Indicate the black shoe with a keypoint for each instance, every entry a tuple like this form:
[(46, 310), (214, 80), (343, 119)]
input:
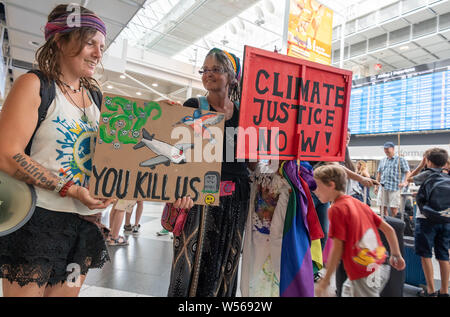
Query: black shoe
[(424, 293), (442, 295)]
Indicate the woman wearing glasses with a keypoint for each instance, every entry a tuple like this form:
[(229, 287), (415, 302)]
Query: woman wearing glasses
[(206, 253)]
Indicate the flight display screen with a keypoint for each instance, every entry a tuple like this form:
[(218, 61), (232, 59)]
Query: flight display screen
[(413, 99)]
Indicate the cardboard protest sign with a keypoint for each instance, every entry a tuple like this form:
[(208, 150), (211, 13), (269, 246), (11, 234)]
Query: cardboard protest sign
[(155, 151), (292, 108)]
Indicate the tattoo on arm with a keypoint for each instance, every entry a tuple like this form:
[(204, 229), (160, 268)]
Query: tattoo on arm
[(34, 173), (21, 176)]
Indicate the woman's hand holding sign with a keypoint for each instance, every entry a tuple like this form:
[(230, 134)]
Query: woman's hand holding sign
[(184, 203), (171, 102), (83, 195)]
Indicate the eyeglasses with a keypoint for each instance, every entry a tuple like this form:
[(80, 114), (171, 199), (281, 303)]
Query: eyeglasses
[(214, 70)]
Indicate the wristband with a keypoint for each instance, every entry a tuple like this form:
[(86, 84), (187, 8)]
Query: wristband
[(65, 189), (395, 258)]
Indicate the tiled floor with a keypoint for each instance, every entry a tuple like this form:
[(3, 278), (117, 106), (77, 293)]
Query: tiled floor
[(140, 269), (143, 267)]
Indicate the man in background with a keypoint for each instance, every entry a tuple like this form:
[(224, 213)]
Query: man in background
[(391, 180)]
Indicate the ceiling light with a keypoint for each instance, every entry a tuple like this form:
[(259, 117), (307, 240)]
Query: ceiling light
[(123, 76), (109, 87), (224, 41), (241, 24), (232, 28), (404, 47), (34, 43), (269, 6), (155, 85), (139, 93), (259, 22)]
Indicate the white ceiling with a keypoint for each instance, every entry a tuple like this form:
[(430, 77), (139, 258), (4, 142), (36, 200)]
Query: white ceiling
[(404, 34), (113, 83), (189, 29), (186, 29), (192, 23), (25, 21)]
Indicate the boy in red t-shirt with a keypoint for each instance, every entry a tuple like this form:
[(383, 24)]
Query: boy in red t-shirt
[(354, 230)]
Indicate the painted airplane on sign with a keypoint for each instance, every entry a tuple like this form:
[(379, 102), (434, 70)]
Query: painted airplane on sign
[(166, 152), (199, 123)]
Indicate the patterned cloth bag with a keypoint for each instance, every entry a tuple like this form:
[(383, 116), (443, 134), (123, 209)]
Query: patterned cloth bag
[(173, 219)]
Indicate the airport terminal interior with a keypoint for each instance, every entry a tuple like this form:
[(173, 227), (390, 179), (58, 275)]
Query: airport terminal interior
[(398, 52)]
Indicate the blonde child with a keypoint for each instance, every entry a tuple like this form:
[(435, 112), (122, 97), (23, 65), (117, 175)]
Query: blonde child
[(354, 230)]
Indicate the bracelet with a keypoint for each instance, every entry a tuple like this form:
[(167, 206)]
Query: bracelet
[(65, 189), (61, 183)]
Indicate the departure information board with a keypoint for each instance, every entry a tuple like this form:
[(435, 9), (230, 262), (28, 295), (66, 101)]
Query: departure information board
[(413, 99)]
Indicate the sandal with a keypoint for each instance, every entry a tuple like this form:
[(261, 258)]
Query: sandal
[(317, 277), (127, 229), (120, 241), (424, 293)]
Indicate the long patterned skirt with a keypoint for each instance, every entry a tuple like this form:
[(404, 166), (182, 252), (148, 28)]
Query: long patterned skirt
[(207, 252)]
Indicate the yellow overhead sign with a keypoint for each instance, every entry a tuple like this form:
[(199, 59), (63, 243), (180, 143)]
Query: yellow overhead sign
[(310, 31)]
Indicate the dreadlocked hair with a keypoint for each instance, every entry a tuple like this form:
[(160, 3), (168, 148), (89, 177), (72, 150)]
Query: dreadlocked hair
[(49, 54), (234, 89)]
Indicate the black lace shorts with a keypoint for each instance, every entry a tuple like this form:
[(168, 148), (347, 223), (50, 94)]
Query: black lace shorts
[(50, 248)]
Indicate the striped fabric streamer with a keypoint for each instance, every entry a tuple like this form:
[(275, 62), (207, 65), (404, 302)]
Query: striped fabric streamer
[(296, 274), (315, 230), (65, 24)]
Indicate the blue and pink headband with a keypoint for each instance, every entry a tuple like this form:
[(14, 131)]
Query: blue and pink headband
[(61, 25)]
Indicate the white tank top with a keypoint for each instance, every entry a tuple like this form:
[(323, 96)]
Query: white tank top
[(64, 145)]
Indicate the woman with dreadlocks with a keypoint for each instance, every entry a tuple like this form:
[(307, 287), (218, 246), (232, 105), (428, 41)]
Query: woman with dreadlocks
[(206, 253)]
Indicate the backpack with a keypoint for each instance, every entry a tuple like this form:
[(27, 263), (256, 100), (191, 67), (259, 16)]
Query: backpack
[(204, 104), (433, 198), (48, 93)]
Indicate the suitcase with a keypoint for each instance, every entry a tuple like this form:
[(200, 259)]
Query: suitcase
[(394, 286), (414, 271)]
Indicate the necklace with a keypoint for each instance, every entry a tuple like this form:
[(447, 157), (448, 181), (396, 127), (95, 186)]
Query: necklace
[(84, 117), (72, 88), (228, 114)]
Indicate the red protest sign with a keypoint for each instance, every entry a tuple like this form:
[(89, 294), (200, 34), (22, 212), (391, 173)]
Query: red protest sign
[(292, 108)]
